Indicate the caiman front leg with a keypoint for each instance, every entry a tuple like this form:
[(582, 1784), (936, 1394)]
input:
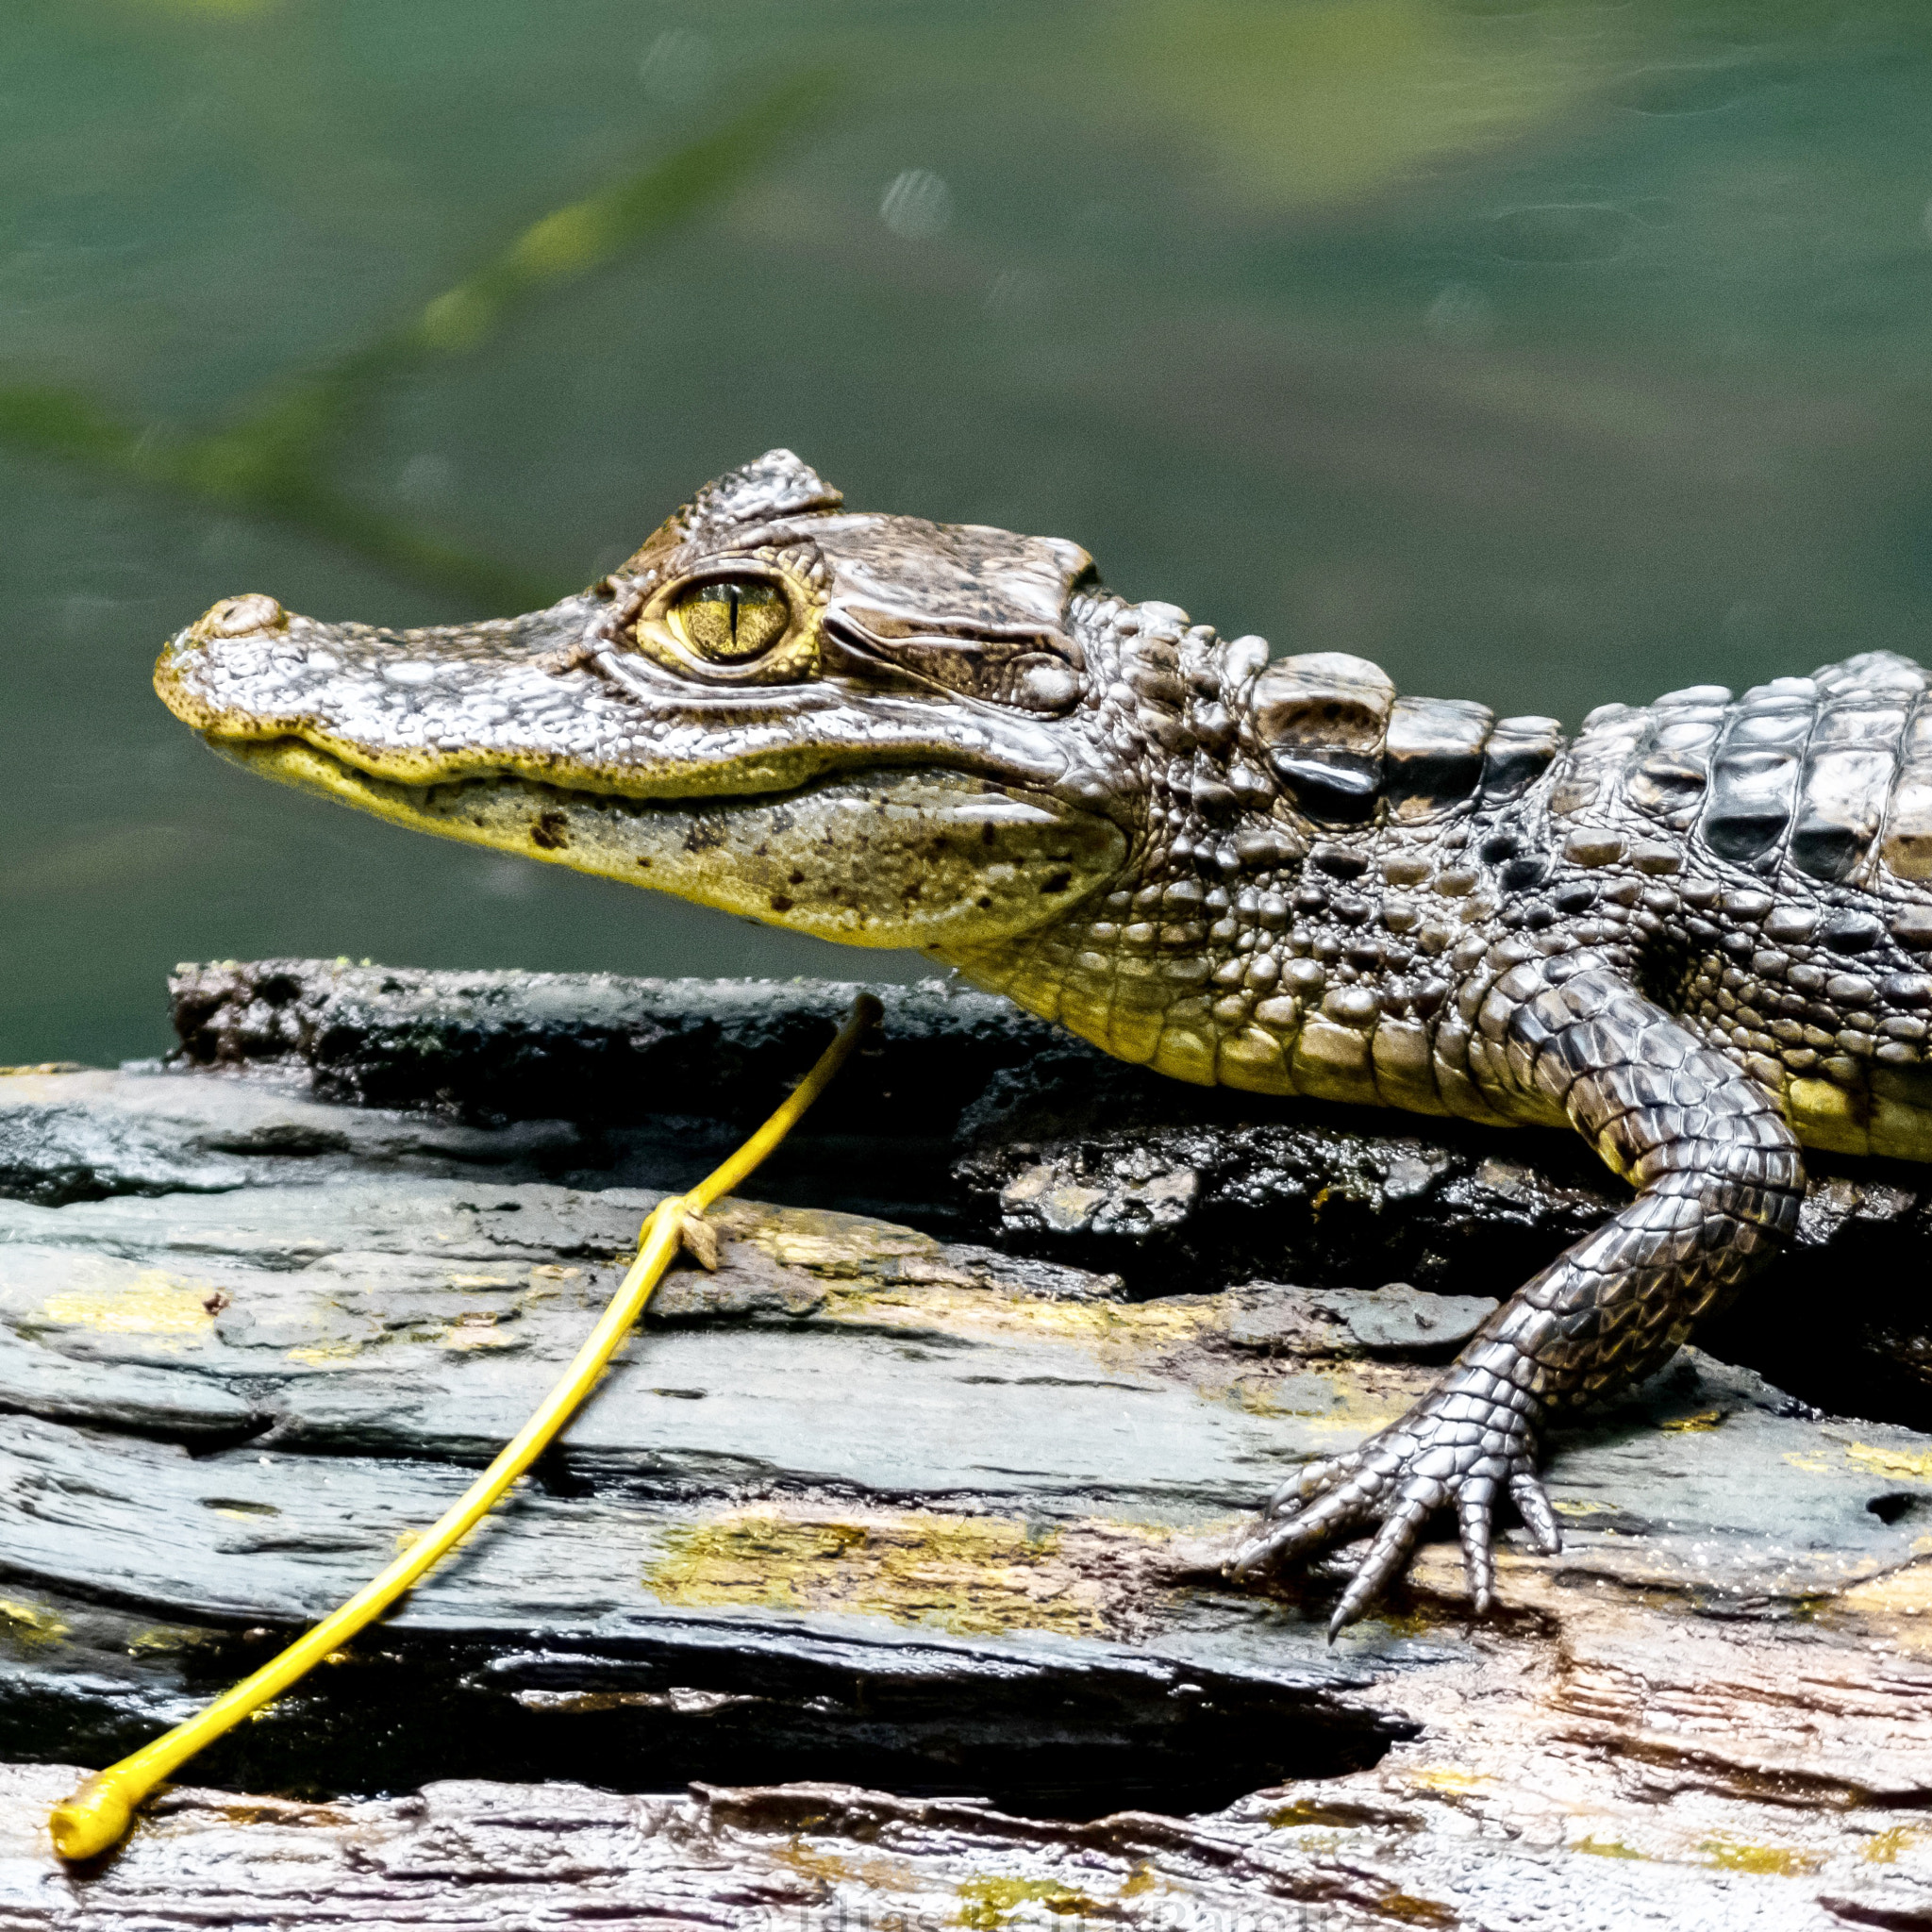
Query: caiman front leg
[(1719, 1181)]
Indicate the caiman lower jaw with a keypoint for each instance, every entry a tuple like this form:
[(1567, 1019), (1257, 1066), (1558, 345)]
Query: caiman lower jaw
[(916, 857)]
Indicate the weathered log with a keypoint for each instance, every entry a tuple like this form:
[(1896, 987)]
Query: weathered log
[(973, 1120), (878, 1503)]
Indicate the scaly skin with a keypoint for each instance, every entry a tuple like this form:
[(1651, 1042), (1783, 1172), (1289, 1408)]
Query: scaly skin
[(1697, 933)]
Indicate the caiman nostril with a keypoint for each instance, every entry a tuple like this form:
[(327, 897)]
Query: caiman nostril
[(236, 617)]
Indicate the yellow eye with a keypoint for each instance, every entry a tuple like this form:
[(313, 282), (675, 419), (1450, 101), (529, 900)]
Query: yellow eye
[(734, 620)]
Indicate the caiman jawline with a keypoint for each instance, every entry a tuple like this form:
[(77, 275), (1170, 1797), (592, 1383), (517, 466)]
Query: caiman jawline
[(292, 759), (880, 855)]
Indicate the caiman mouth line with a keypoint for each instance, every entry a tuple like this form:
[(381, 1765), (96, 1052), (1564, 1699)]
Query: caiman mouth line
[(876, 855), (301, 761)]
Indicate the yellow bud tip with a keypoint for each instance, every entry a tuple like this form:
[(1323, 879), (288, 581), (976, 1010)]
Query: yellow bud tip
[(91, 1819)]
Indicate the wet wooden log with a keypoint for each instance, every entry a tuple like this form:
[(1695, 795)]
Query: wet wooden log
[(921, 1515), (973, 1120), (481, 1856)]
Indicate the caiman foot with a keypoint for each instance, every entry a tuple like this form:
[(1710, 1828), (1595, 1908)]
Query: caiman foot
[(1446, 1451)]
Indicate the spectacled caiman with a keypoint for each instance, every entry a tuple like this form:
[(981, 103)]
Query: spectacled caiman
[(1698, 932)]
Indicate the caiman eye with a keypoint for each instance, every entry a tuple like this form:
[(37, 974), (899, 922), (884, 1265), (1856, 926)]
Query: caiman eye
[(732, 624), (732, 619)]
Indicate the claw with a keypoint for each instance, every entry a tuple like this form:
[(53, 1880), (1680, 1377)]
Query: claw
[(1533, 1504), (1289, 1535), (1386, 1556), (1473, 1516)]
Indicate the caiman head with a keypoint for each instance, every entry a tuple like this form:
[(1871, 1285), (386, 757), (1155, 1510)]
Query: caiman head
[(899, 733), (871, 728)]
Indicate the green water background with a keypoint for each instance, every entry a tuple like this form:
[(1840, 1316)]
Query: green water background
[(1547, 354)]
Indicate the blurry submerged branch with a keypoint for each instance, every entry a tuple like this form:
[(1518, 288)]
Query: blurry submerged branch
[(245, 470), (271, 463)]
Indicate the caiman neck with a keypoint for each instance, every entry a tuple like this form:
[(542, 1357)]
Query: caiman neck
[(1146, 969), (1247, 943)]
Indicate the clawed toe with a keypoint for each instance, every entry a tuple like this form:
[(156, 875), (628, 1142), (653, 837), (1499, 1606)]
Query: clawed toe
[(1533, 1504), (1394, 1485), (1313, 1480), (1281, 1539)]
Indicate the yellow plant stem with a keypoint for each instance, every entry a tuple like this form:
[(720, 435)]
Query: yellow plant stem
[(97, 1813)]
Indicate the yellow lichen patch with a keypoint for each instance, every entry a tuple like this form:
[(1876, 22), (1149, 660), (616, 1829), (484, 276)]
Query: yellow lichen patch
[(986, 1902), (1883, 1847), (1133, 1326), (1776, 1861), (1812, 1465), (1421, 1616), (1903, 1593), (1909, 1465), (1323, 1424), (319, 1354), (1300, 1816), (969, 1574), (25, 1627), (1340, 1398), (838, 1868), (165, 1640), (1695, 1424), (1453, 1781), (1605, 1848), (154, 1303)]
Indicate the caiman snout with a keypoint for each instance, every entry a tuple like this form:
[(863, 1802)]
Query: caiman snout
[(180, 670)]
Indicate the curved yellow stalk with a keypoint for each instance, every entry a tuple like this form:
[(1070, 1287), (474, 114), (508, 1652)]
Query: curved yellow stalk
[(97, 1812)]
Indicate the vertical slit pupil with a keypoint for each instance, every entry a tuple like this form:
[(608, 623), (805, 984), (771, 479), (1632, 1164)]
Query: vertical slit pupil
[(736, 618)]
